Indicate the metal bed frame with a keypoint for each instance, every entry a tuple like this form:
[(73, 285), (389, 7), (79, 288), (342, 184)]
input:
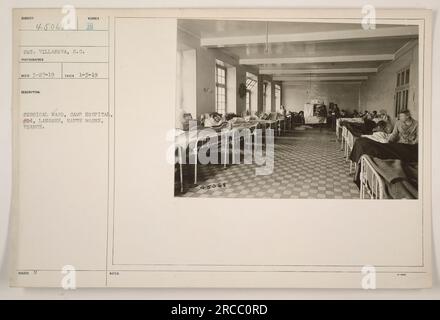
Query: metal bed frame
[(371, 183), (338, 124), (347, 143), (350, 144), (230, 136), (338, 128)]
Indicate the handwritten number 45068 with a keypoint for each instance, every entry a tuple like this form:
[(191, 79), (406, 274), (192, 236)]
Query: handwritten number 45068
[(213, 186)]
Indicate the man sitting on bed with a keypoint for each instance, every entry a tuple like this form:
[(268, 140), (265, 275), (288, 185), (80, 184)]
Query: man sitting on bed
[(405, 130), (383, 116), (379, 133)]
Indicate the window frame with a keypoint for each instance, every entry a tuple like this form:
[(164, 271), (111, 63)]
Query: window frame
[(401, 96), (220, 85), (248, 100), (250, 83)]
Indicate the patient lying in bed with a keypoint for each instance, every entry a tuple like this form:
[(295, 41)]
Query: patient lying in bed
[(379, 133), (214, 120)]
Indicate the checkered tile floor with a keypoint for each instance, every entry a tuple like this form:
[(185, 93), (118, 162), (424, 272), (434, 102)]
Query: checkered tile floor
[(308, 165)]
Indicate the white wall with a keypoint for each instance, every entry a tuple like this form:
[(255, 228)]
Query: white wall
[(295, 95), (374, 94), (186, 81), (205, 76), (240, 102), (254, 99), (205, 87), (232, 98), (378, 91)]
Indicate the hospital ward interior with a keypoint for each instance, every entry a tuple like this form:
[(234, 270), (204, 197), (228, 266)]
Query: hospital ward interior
[(296, 110)]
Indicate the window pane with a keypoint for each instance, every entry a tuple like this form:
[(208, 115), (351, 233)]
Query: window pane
[(220, 90), (398, 80), (403, 100), (407, 77), (220, 75), (250, 83), (406, 100)]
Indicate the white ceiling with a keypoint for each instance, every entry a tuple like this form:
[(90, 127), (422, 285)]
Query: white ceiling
[(301, 48), (318, 49), (234, 28)]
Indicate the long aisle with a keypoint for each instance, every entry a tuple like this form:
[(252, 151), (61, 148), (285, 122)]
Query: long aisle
[(308, 165)]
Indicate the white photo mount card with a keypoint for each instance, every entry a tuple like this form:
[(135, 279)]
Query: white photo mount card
[(221, 148)]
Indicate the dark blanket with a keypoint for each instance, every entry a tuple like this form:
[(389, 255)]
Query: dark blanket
[(400, 178), (401, 151), (358, 129), (405, 152)]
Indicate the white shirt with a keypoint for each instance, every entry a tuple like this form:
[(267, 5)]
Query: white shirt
[(381, 137)]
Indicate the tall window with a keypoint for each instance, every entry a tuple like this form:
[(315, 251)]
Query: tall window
[(402, 90), (250, 84), (277, 96), (220, 89), (248, 100)]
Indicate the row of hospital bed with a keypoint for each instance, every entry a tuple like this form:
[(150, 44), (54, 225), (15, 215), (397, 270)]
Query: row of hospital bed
[(371, 184), (381, 170), (189, 143)]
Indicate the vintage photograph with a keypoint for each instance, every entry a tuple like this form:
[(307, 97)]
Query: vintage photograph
[(221, 148), (302, 110)]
